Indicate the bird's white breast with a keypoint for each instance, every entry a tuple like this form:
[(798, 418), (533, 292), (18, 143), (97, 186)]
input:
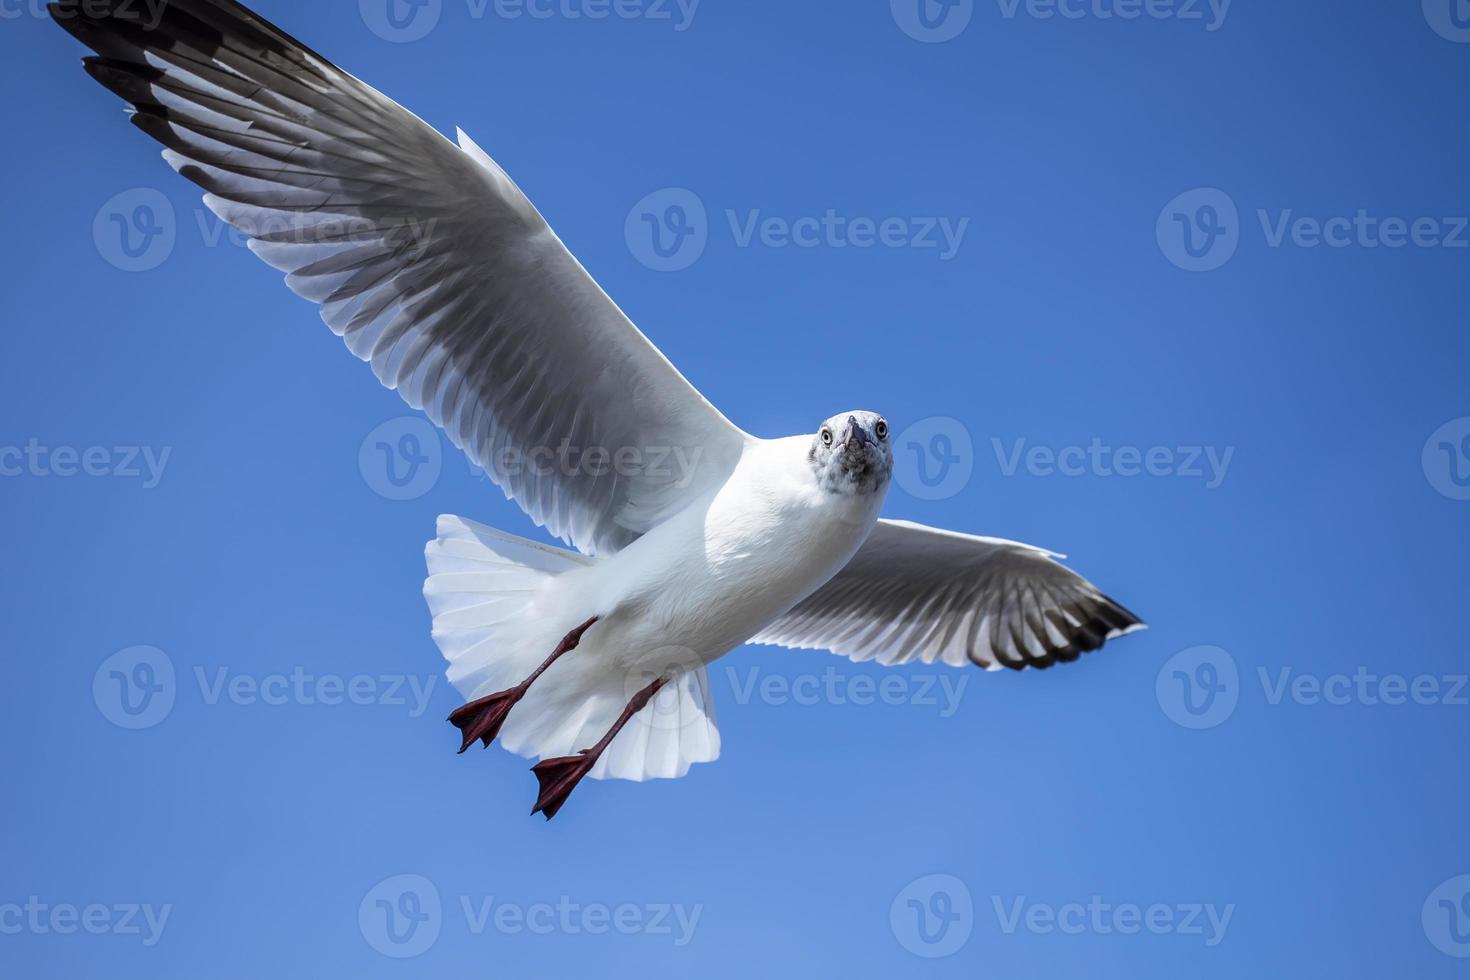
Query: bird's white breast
[(715, 574)]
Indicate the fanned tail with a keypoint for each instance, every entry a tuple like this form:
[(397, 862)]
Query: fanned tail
[(500, 606)]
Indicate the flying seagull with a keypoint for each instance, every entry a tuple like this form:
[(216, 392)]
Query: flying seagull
[(431, 265)]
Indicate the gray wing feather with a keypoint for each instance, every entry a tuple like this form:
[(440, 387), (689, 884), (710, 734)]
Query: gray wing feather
[(916, 593), (425, 258)]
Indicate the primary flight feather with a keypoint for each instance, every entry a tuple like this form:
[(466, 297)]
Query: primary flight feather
[(432, 266)]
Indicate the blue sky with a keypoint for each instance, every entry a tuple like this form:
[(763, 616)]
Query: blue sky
[(1181, 294)]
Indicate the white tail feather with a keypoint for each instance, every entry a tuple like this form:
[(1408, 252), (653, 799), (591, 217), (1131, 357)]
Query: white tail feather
[(500, 606)]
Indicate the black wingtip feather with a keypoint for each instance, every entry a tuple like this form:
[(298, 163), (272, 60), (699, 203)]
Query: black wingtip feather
[(203, 24), (1099, 621), (128, 80)]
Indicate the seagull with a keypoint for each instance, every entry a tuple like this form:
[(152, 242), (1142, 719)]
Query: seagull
[(691, 536)]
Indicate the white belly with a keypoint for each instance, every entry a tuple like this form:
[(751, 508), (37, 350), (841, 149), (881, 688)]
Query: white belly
[(708, 579)]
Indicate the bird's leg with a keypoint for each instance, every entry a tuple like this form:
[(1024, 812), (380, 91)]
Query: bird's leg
[(482, 719), (558, 777)]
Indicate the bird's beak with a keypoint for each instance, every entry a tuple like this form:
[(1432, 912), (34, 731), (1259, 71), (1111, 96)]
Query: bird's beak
[(855, 437)]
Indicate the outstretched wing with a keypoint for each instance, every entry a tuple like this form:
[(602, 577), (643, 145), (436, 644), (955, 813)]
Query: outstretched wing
[(916, 593), (426, 259)]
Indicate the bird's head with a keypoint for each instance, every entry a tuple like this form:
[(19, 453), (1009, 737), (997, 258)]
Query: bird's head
[(851, 454)]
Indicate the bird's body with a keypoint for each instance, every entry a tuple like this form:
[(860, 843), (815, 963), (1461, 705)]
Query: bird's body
[(693, 588), (434, 268), (725, 567)]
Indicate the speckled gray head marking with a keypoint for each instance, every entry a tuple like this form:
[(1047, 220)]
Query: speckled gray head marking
[(851, 454)]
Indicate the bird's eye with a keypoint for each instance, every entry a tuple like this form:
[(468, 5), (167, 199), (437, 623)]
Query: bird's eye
[(881, 429), (826, 436)]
